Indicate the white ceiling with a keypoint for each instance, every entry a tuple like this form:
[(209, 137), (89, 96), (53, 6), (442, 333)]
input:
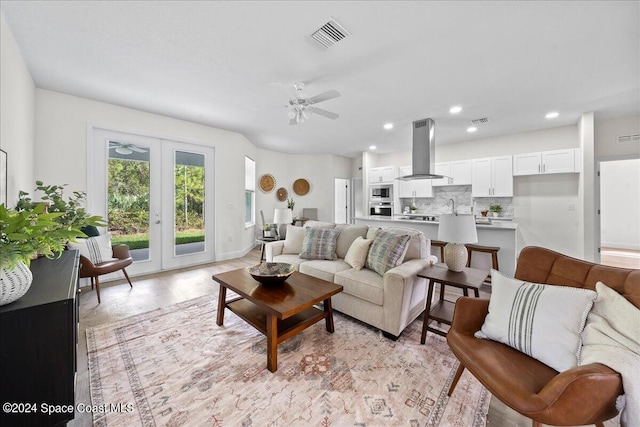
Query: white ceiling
[(228, 64)]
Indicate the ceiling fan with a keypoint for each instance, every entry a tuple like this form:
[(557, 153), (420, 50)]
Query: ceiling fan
[(125, 149), (301, 108)]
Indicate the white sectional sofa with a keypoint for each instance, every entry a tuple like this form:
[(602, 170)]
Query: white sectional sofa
[(388, 302)]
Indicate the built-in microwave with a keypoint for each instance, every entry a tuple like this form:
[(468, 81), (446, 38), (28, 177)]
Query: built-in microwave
[(381, 193), (381, 209)]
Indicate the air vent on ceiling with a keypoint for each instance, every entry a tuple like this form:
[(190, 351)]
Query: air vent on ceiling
[(629, 138), (330, 33), (480, 121)]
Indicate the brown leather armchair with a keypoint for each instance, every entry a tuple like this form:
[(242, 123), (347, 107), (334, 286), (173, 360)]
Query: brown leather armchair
[(579, 396), (93, 271)]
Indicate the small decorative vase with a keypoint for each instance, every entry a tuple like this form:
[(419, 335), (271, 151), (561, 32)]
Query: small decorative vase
[(495, 214), (14, 283)]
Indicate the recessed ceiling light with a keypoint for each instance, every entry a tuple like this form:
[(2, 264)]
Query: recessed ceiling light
[(372, 147), (552, 115), (388, 126), (455, 110), (472, 129)]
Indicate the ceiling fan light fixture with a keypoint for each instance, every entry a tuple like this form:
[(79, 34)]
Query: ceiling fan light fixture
[(124, 151)]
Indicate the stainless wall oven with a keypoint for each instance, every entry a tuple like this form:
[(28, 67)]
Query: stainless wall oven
[(381, 193), (381, 209)]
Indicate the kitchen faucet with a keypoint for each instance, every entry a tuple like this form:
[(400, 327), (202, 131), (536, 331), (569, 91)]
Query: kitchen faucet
[(453, 206)]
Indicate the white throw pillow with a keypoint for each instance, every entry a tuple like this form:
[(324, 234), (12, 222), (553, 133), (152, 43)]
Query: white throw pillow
[(357, 254), (97, 249), (293, 241), (543, 321)]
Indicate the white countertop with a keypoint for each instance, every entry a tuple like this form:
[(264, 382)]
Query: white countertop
[(503, 225)]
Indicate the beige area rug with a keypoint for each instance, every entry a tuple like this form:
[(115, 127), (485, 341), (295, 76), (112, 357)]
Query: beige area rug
[(176, 367)]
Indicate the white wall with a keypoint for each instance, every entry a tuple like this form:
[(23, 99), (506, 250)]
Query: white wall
[(606, 133), (61, 154), (17, 99), (318, 170), (620, 204)]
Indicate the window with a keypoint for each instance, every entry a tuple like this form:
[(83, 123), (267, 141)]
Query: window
[(249, 191)]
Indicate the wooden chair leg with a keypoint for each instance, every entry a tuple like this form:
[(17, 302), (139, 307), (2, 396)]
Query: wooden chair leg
[(98, 288), (455, 379), (127, 276), (91, 283), (599, 424), (535, 423)]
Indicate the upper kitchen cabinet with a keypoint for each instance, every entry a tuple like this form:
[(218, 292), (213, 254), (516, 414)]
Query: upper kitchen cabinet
[(455, 173), (492, 177), (382, 174), (546, 162), (415, 187)]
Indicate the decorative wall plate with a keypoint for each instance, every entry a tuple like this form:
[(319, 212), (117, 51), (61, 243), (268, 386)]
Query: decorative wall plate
[(267, 183), (282, 194), (301, 186)]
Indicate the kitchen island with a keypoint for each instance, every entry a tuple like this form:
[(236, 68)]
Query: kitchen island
[(498, 233)]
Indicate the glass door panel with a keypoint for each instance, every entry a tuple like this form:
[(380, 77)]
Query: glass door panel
[(189, 202), (128, 190)]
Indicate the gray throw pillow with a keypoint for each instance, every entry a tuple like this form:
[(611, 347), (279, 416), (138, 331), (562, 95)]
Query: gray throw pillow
[(387, 251), (319, 243)]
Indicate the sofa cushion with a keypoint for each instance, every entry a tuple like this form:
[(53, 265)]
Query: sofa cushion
[(293, 241), (348, 233), (323, 269), (290, 259), (417, 248), (542, 321), (319, 224), (387, 251), (319, 243), (357, 254), (364, 284)]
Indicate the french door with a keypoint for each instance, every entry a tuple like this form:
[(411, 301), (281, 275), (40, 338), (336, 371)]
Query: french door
[(157, 196)]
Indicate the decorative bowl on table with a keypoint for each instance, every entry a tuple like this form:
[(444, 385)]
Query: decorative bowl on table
[(271, 273)]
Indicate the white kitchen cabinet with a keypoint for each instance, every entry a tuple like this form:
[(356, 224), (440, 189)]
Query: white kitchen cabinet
[(492, 177), (414, 188), (545, 162), (381, 174), (456, 173), (461, 172), (443, 169)]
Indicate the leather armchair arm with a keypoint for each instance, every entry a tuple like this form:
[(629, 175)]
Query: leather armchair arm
[(469, 314), (121, 251), (86, 267)]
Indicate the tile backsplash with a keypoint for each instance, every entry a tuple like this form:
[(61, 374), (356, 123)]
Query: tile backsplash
[(461, 195)]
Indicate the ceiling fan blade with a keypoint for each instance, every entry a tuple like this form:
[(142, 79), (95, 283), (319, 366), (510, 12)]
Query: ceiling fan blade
[(327, 114), (330, 94), (137, 149)]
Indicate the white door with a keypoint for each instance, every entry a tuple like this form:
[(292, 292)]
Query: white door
[(138, 185), (341, 201)]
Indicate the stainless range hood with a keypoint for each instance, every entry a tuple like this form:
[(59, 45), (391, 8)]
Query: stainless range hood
[(423, 151)]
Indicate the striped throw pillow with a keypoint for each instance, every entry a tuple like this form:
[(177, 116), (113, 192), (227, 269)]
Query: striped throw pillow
[(97, 249), (319, 243), (387, 251), (542, 321)]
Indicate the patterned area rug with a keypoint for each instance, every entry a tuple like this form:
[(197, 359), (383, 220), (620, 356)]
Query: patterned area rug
[(175, 367)]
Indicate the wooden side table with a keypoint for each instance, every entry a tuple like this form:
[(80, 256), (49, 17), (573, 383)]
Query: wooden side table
[(263, 241), (442, 310)]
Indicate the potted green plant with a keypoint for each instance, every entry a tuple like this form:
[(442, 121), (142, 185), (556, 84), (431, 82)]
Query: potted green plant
[(495, 209), (412, 208), (290, 203), (269, 230), (33, 229)]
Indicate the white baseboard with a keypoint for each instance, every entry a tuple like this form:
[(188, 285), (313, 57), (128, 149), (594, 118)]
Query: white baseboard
[(616, 245), (236, 254)]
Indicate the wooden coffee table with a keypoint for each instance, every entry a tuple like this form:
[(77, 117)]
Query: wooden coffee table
[(279, 311)]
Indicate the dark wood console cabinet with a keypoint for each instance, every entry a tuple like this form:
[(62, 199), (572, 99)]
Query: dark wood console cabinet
[(38, 345)]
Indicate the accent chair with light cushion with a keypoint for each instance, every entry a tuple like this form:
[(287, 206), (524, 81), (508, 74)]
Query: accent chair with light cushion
[(377, 268), (98, 257), (527, 344)]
